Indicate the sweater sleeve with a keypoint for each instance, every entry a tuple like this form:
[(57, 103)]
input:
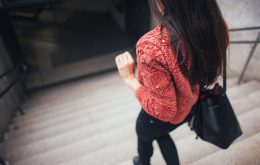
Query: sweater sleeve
[(157, 95)]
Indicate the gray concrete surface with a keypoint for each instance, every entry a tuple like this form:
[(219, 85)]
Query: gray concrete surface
[(243, 13)]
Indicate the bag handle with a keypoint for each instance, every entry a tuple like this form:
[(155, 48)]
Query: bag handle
[(225, 74)]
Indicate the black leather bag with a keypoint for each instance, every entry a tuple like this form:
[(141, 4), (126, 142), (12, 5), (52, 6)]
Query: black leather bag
[(213, 118)]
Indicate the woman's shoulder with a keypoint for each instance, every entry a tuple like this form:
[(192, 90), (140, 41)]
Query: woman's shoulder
[(151, 37), (155, 46), (149, 46)]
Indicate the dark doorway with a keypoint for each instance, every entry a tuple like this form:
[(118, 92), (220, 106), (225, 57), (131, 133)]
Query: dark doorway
[(65, 35), (7, 34)]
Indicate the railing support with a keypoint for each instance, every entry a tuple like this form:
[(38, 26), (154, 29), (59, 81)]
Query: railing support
[(249, 58), (16, 101), (22, 69)]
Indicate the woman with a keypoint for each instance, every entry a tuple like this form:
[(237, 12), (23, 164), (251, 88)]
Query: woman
[(184, 52)]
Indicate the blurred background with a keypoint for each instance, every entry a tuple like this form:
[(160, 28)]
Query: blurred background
[(62, 101)]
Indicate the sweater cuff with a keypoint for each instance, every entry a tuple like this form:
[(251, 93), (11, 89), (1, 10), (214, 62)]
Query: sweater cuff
[(139, 92)]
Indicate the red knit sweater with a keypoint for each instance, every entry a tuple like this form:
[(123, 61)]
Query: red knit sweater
[(165, 92)]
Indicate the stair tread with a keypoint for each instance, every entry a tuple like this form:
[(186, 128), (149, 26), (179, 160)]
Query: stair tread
[(74, 93), (186, 144), (240, 106), (31, 117), (199, 149), (29, 148), (71, 97), (195, 146), (78, 148), (235, 92), (98, 79), (82, 83), (22, 136), (244, 152), (77, 110), (116, 148), (79, 123)]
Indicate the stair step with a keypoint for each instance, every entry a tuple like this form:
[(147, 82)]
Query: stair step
[(98, 80), (231, 81), (78, 134), (130, 162), (77, 123), (48, 109), (41, 104), (26, 147), (87, 82), (102, 112), (198, 148), (255, 96), (244, 152), (240, 90), (117, 153), (240, 106), (245, 101), (72, 90), (55, 131), (68, 94), (157, 157), (67, 107), (187, 146), (72, 107), (79, 148), (21, 150)]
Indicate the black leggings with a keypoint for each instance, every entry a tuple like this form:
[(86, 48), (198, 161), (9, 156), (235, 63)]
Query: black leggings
[(149, 129)]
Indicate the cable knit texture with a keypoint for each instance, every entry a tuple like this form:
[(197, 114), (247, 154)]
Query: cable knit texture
[(165, 92)]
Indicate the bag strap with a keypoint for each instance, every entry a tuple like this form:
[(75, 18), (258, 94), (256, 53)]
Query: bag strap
[(225, 74)]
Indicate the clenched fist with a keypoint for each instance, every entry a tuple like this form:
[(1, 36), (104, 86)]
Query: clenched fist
[(125, 65)]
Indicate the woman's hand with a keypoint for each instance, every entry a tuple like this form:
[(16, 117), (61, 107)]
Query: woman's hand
[(126, 65), (126, 68)]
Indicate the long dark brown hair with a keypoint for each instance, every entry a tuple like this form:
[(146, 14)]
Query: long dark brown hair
[(199, 26)]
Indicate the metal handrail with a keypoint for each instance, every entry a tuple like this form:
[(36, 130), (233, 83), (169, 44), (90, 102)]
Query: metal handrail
[(256, 42), (244, 42), (10, 85), (29, 3), (6, 72), (244, 29)]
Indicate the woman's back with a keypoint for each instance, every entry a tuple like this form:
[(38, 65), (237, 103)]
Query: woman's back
[(186, 51), (160, 73), (201, 29)]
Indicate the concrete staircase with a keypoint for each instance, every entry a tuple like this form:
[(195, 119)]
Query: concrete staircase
[(92, 122)]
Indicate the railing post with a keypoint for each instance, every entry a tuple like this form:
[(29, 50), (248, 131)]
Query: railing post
[(22, 81), (249, 58), (17, 104)]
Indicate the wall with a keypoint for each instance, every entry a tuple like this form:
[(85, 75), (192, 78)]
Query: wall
[(6, 110), (89, 5), (244, 13), (7, 104)]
